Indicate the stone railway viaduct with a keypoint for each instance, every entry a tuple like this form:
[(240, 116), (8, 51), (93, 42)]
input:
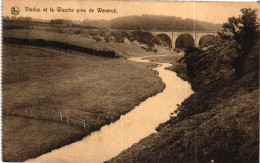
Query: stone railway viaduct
[(173, 36)]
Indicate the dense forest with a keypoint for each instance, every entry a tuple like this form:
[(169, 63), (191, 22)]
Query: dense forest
[(153, 22), (143, 22)]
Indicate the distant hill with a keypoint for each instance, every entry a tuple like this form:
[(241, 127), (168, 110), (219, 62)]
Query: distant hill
[(96, 23), (153, 22), (143, 22)]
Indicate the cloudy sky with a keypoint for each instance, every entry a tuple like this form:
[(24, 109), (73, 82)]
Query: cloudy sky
[(215, 12)]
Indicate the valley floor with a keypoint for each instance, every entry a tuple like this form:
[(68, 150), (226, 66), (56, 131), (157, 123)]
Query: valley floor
[(41, 83), (219, 122)]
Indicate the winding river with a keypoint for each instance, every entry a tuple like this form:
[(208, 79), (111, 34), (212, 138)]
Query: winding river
[(112, 139)]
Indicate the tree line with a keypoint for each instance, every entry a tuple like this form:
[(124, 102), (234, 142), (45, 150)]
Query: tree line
[(143, 22), (160, 23)]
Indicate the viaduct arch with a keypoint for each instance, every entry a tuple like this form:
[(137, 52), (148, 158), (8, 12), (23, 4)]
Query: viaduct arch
[(165, 38), (206, 40), (175, 36), (183, 41)]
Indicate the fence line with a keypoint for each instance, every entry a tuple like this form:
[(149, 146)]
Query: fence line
[(48, 114), (71, 120)]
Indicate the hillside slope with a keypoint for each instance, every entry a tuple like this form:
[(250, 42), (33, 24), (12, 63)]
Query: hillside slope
[(218, 122), (160, 22)]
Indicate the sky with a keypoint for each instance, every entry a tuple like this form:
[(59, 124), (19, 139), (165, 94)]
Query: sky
[(214, 12)]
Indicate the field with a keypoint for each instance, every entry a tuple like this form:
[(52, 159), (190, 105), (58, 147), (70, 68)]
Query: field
[(51, 38), (34, 36), (40, 83), (23, 137)]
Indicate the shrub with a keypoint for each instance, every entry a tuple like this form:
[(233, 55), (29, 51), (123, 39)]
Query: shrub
[(177, 50), (107, 38), (155, 50), (97, 38), (102, 32), (145, 38), (191, 56), (77, 31), (244, 32), (118, 36)]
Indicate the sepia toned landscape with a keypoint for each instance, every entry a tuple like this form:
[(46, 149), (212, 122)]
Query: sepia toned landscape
[(165, 84)]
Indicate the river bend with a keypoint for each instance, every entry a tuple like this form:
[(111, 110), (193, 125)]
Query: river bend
[(139, 123)]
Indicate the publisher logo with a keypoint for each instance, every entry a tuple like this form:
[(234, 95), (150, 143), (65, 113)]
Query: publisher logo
[(15, 11)]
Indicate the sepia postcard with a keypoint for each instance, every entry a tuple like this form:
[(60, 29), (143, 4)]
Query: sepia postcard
[(130, 81)]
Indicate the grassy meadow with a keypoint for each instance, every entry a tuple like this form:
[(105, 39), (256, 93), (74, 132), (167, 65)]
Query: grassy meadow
[(81, 41), (30, 35), (24, 138), (39, 83)]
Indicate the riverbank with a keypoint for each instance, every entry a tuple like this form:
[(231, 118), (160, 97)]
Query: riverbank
[(111, 139), (219, 122), (39, 83), (178, 67)]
